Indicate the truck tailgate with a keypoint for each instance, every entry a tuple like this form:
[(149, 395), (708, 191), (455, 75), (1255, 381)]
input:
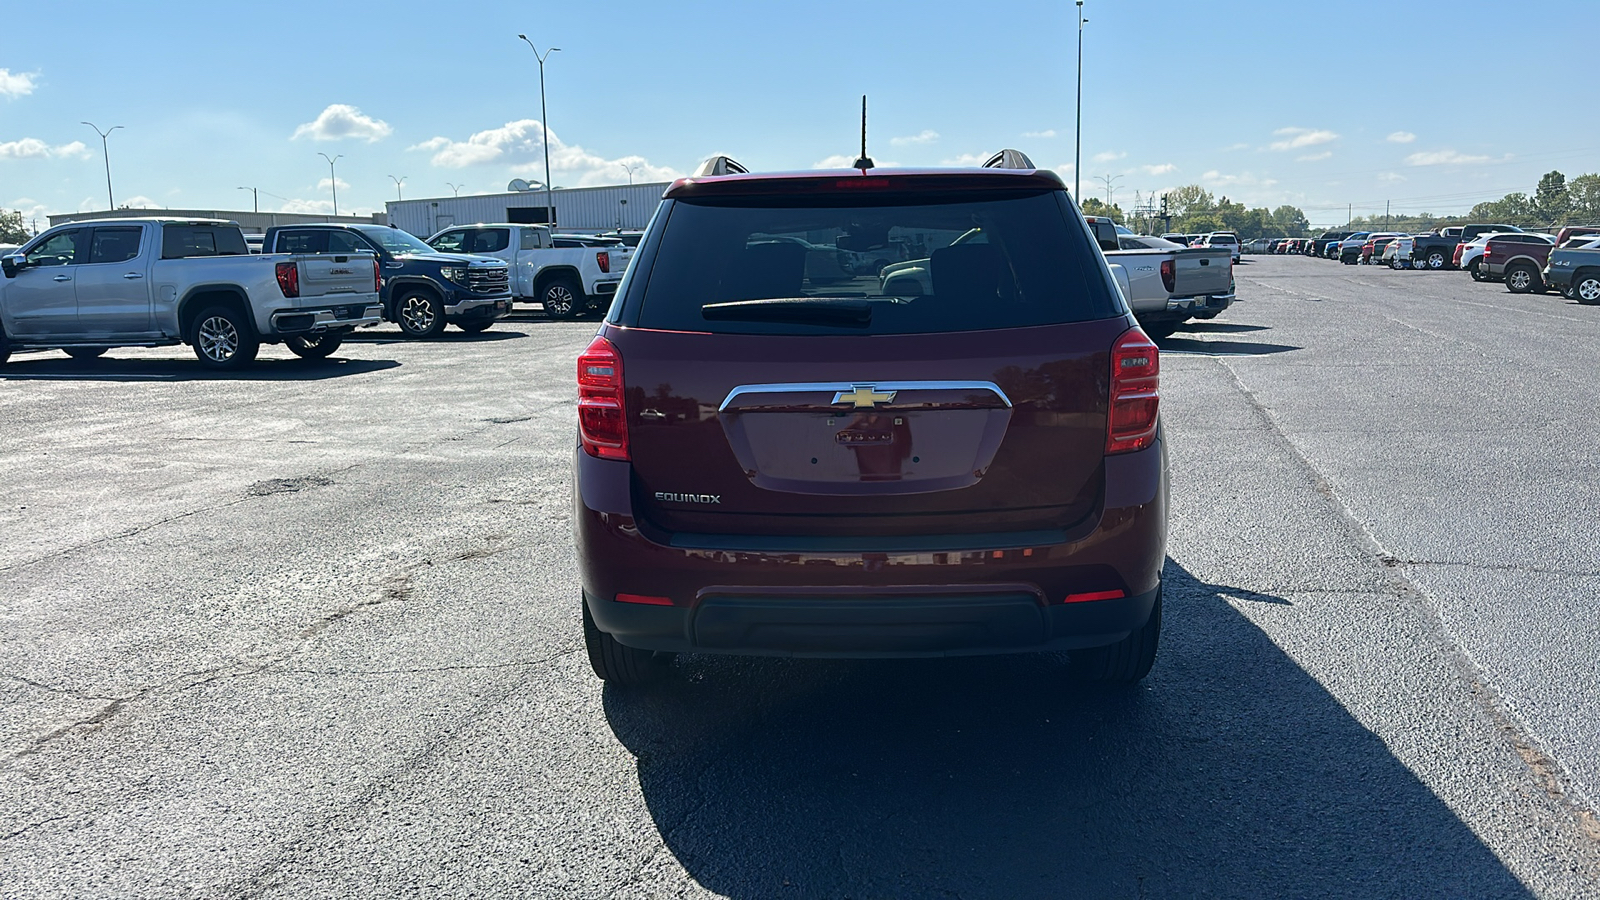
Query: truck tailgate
[(1201, 271), (322, 274)]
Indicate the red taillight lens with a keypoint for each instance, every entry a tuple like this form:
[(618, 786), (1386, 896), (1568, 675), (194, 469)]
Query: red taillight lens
[(604, 259), (1168, 271), (601, 410), (1135, 393), (289, 278), (377, 275)]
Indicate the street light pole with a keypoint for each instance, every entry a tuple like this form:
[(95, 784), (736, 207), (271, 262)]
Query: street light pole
[(544, 123), (333, 180), (397, 182), (1077, 135), (255, 199), (105, 150), (630, 172), (454, 187)]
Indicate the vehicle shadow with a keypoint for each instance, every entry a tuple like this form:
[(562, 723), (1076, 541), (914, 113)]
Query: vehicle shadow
[(1195, 347), (54, 368), (1229, 772), (1211, 327), (450, 336)]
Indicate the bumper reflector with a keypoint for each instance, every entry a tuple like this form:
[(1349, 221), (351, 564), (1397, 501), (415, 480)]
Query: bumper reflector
[(645, 599), (1096, 595)]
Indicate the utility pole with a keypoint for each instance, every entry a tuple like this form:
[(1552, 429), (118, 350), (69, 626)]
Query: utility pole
[(544, 123), (333, 180), (397, 182), (1386, 215), (255, 199), (1109, 182), (1349, 214), (1077, 135), (105, 150)]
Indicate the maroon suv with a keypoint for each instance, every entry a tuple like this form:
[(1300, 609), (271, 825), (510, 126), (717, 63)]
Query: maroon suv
[(775, 459)]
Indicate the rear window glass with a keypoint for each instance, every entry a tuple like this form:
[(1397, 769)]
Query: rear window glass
[(184, 241), (898, 267)]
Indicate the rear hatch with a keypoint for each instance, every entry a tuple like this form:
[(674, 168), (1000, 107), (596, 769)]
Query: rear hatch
[(1202, 272), (972, 399)]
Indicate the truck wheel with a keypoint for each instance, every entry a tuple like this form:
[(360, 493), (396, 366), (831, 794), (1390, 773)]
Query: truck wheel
[(477, 326), (1586, 288), (314, 346), (223, 339), (1436, 259), (420, 315), (562, 298), (1522, 280), (84, 354), (1125, 662), (617, 663)]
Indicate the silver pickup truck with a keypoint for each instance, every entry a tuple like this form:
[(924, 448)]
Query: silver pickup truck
[(85, 287), (1167, 284)]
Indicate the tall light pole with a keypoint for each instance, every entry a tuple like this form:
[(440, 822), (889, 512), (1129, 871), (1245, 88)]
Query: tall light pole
[(630, 172), (544, 122), (105, 150), (255, 198), (333, 180), (397, 182), (454, 187), (1077, 135)]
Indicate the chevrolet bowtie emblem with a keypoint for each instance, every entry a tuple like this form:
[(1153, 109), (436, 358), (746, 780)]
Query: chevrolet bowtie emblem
[(864, 396)]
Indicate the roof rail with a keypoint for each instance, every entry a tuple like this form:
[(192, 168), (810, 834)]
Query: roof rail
[(1010, 159), (720, 165)]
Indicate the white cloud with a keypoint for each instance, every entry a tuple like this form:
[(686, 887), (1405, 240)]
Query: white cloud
[(1110, 155), (31, 209), (16, 84), (968, 159), (1443, 158), (340, 121), (1161, 169), (520, 144), (1047, 133), (325, 184), (1295, 138), (310, 207), (33, 148), (1401, 137), (1232, 147), (1245, 179), (836, 161), (1391, 176), (926, 136), (139, 201), (1313, 157)]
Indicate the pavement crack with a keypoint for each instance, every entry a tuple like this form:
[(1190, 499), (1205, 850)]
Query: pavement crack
[(1490, 567), (53, 689), (33, 826)]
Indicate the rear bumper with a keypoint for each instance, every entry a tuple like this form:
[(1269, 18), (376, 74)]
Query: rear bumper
[(888, 596), (316, 321)]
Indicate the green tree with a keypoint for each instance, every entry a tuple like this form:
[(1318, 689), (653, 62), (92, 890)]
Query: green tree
[(1291, 221), (11, 228), (1550, 199), (1583, 200), (1094, 206), (1191, 198)]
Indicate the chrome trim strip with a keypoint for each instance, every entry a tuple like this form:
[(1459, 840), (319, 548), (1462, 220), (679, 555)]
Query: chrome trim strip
[(836, 387)]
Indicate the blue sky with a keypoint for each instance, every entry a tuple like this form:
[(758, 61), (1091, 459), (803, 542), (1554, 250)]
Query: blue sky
[(1433, 106)]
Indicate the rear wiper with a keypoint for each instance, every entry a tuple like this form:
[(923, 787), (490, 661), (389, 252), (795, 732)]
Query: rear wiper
[(805, 310)]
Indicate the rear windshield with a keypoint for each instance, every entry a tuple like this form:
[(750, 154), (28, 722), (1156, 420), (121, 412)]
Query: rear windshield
[(901, 266)]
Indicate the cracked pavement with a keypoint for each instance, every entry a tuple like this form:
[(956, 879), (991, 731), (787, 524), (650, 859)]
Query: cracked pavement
[(313, 632)]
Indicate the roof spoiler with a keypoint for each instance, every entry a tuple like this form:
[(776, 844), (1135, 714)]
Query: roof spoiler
[(1010, 159), (720, 165)]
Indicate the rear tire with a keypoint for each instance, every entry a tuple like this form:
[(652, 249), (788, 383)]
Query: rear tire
[(84, 354), (562, 298), (1125, 662), (617, 663), (223, 339), (1586, 288), (1523, 280), (1474, 270), (1436, 259), (317, 346)]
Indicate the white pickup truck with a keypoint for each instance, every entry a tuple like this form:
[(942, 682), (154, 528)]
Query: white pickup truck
[(566, 281), (85, 287), (1167, 284)]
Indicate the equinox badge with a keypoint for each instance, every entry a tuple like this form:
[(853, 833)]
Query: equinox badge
[(864, 396), (665, 497)]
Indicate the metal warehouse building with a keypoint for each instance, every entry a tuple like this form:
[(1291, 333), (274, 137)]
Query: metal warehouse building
[(591, 209)]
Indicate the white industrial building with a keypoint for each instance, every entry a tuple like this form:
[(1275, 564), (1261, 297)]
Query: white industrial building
[(592, 209)]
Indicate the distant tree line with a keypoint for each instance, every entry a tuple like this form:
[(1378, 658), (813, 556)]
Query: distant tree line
[(1195, 210), (12, 230), (1554, 203)]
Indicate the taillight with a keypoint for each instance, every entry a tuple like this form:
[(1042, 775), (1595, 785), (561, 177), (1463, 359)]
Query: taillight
[(1167, 279), (1135, 393), (377, 276), (1488, 252), (289, 278), (604, 259), (601, 423)]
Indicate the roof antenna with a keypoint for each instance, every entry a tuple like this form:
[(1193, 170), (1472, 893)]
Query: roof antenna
[(865, 162)]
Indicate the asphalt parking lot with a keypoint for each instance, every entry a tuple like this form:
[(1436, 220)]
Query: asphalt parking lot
[(313, 631)]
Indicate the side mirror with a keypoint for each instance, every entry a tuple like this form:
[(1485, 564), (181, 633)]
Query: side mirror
[(13, 264)]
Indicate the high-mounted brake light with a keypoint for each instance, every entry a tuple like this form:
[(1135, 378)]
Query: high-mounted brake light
[(1135, 393), (604, 259), (602, 426), (1167, 272), (289, 278), (868, 183)]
